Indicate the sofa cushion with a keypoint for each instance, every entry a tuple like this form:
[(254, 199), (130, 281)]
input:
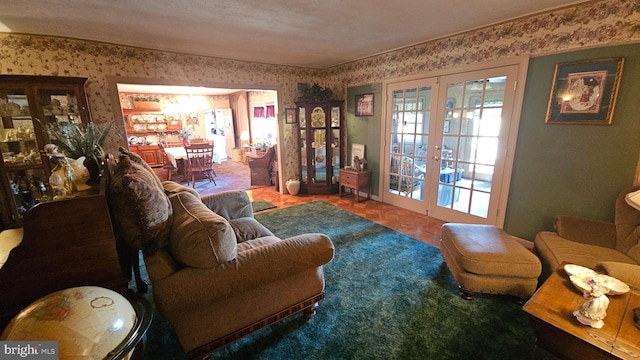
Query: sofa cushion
[(257, 243), (199, 237), (141, 212), (627, 222), (554, 250), (247, 228), (634, 253), (487, 250)]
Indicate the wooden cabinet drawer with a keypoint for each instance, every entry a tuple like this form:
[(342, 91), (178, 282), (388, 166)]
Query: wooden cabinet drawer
[(348, 179)]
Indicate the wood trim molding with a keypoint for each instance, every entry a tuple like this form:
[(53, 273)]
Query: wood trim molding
[(308, 306)]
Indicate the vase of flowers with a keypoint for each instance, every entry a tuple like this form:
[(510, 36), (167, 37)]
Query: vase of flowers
[(186, 134)]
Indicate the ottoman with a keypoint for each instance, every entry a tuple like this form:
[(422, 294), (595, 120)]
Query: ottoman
[(485, 259)]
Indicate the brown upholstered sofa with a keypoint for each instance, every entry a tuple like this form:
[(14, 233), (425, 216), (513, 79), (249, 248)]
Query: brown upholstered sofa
[(612, 248), (217, 274)]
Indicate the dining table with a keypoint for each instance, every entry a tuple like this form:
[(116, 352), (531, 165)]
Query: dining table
[(174, 154), (178, 154)]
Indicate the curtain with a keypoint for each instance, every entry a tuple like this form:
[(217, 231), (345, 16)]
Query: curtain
[(258, 112), (241, 109), (271, 111)]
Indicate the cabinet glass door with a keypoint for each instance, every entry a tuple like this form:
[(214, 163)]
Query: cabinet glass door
[(320, 145), (23, 167), (303, 154), (319, 156), (60, 105), (335, 154)]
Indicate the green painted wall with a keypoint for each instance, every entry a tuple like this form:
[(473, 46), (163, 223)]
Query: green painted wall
[(559, 168), (572, 169), (366, 129)]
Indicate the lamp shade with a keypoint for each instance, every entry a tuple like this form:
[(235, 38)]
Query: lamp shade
[(633, 199), (244, 136)]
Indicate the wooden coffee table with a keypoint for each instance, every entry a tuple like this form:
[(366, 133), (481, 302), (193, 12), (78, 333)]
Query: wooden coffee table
[(559, 332)]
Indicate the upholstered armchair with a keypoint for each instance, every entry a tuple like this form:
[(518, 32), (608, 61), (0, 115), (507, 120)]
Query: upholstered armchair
[(612, 248), (261, 167), (216, 273)]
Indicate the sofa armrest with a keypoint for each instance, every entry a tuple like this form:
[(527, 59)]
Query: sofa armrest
[(251, 269), (586, 231), (627, 273), (229, 204)]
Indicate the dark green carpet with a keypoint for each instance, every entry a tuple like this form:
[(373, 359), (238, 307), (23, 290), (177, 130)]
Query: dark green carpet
[(262, 205), (388, 296)]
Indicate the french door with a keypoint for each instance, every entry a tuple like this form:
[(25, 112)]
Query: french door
[(408, 130), (446, 144)]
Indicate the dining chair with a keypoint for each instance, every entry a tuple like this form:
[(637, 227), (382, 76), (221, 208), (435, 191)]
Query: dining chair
[(199, 162), (172, 142), (166, 162), (200, 141)]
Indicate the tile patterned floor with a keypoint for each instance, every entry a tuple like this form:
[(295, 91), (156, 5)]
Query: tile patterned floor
[(410, 223), (235, 176)]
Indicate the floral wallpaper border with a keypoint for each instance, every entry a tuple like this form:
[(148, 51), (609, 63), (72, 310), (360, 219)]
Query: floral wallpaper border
[(592, 24)]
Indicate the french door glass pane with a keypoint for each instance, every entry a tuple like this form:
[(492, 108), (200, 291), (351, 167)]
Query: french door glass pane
[(409, 140), (473, 119)]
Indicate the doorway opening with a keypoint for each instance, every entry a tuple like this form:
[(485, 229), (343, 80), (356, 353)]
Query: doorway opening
[(158, 114)]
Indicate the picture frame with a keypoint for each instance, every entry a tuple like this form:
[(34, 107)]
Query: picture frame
[(357, 150), (364, 104), (290, 116), (584, 92)]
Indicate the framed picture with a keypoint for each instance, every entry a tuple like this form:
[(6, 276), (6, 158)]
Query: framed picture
[(584, 92), (290, 116), (357, 150), (364, 105)]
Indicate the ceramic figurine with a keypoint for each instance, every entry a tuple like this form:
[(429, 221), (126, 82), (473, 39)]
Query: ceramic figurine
[(358, 163), (595, 288), (594, 308), (62, 179), (80, 172)]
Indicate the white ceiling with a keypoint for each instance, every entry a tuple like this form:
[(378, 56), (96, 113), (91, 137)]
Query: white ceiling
[(307, 33)]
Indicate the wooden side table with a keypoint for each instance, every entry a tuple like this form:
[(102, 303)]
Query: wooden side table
[(558, 331), (355, 180)]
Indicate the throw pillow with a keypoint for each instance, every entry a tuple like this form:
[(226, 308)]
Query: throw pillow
[(141, 211), (138, 160), (199, 237)]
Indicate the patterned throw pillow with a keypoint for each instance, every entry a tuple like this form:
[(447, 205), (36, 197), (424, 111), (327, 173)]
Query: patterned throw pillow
[(142, 214)]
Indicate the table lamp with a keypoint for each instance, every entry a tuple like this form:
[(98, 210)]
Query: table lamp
[(633, 199), (244, 137)]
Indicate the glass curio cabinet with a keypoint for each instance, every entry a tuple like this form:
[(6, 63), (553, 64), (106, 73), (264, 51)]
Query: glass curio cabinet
[(320, 139), (27, 104)]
